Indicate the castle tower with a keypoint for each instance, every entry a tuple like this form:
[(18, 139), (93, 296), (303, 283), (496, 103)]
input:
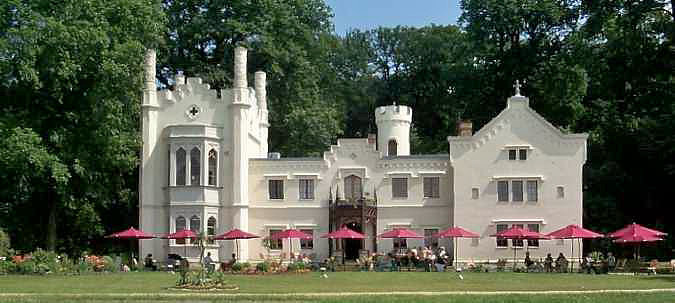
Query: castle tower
[(393, 129)]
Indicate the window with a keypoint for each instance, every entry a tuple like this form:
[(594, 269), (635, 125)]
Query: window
[(276, 189), (306, 189), (429, 239), (534, 228), (431, 187), (307, 243), (502, 191), (275, 243), (501, 242), (561, 192), (517, 242), (522, 154), (352, 187), (180, 166), (532, 190), (195, 224), (211, 229), (512, 154), (392, 148), (399, 187), (517, 189), (213, 167), (400, 244), (180, 225), (195, 166), (474, 193)]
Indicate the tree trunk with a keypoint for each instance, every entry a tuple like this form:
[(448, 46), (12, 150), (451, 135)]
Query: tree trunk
[(51, 221)]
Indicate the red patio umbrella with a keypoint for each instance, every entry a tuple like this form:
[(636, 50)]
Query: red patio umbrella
[(574, 231), (344, 233), (235, 235), (454, 233), (290, 234), (637, 234), (518, 233), (182, 234), (131, 234), (638, 229), (400, 233)]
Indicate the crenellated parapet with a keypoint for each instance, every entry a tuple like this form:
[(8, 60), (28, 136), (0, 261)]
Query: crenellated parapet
[(392, 113)]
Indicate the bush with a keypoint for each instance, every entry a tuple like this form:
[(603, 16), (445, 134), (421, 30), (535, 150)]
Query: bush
[(27, 267), (501, 263), (7, 267), (263, 267), (237, 267), (46, 261)]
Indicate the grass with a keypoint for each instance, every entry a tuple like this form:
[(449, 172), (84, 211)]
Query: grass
[(153, 287)]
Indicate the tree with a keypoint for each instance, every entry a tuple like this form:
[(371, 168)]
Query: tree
[(71, 82), (287, 39)]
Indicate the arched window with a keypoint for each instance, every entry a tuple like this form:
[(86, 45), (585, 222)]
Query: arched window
[(180, 166), (213, 167), (195, 224), (353, 187), (180, 225), (211, 229), (195, 161), (392, 149)]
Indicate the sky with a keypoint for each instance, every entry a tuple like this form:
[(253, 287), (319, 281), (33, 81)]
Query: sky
[(369, 14)]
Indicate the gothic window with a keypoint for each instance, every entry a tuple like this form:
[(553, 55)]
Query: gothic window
[(393, 148), (195, 166), (213, 167), (353, 188), (180, 225), (180, 166), (195, 224), (211, 229)]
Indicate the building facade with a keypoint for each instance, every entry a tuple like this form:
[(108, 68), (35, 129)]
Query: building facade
[(206, 167)]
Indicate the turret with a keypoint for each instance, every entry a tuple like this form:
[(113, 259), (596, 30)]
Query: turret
[(261, 97), (393, 129)]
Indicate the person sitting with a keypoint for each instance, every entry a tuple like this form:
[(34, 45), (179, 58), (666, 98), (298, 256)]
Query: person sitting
[(528, 261), (548, 263), (208, 263), (150, 263), (561, 263), (587, 264), (611, 262)]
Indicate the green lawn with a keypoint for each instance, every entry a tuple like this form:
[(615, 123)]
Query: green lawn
[(153, 286)]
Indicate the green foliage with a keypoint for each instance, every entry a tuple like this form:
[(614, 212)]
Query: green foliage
[(263, 266), (237, 267)]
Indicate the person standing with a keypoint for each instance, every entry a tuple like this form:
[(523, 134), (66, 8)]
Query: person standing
[(611, 262)]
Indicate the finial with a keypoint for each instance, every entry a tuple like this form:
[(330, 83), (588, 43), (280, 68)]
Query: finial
[(517, 86)]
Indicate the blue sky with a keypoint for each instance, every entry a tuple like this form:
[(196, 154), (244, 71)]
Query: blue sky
[(369, 14)]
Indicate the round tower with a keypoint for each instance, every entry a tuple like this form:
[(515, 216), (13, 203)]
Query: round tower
[(393, 129)]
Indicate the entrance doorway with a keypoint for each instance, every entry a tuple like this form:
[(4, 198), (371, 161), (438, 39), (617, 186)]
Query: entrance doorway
[(352, 246)]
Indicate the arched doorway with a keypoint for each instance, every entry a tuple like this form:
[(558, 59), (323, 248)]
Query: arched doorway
[(352, 246)]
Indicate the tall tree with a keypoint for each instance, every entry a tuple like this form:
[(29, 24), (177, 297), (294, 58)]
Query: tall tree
[(287, 39), (71, 76)]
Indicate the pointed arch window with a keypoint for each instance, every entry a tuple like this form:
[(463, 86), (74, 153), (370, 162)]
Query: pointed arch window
[(392, 148), (195, 166), (180, 225), (213, 167), (180, 166), (195, 224), (353, 188), (211, 229)]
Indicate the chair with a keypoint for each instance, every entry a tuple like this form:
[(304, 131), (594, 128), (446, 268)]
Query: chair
[(651, 269)]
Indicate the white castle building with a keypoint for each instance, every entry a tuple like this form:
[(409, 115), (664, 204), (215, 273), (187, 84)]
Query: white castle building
[(206, 167)]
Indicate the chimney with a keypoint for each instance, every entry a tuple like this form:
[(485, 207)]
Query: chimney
[(464, 128), (372, 139), (240, 67)]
